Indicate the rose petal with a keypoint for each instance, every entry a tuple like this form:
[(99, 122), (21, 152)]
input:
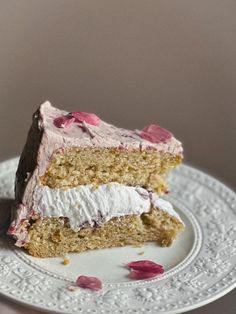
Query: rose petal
[(138, 274), (89, 118), (91, 283), (146, 266), (63, 121), (155, 134)]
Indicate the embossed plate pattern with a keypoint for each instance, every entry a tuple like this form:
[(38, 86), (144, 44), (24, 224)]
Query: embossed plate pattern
[(200, 266)]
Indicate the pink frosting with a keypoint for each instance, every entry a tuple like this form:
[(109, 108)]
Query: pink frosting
[(89, 135)]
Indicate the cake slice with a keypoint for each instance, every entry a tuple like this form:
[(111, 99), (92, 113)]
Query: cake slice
[(82, 183)]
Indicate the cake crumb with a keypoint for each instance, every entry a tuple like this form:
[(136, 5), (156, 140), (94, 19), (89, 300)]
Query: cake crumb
[(141, 253), (94, 187), (66, 260)]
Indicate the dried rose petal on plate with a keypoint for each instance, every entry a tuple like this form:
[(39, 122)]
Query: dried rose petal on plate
[(146, 265), (92, 283), (138, 274), (144, 269)]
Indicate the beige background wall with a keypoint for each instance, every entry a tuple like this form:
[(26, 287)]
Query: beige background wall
[(131, 62)]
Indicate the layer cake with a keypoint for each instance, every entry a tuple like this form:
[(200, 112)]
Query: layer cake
[(82, 184)]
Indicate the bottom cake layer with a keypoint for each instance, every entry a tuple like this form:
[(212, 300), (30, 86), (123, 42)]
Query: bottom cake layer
[(50, 237)]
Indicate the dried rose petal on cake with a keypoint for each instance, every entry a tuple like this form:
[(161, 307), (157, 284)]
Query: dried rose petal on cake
[(155, 134), (92, 283), (89, 118), (63, 121)]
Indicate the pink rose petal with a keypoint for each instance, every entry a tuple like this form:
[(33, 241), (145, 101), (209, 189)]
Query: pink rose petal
[(155, 134), (146, 266), (91, 283), (144, 269), (63, 121), (89, 118), (137, 274)]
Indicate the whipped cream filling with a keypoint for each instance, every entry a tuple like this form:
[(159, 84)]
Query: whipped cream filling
[(89, 206)]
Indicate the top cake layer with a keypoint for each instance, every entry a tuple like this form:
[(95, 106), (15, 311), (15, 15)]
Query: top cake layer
[(55, 131)]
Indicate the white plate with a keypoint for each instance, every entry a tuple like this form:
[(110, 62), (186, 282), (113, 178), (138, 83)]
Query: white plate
[(200, 265)]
